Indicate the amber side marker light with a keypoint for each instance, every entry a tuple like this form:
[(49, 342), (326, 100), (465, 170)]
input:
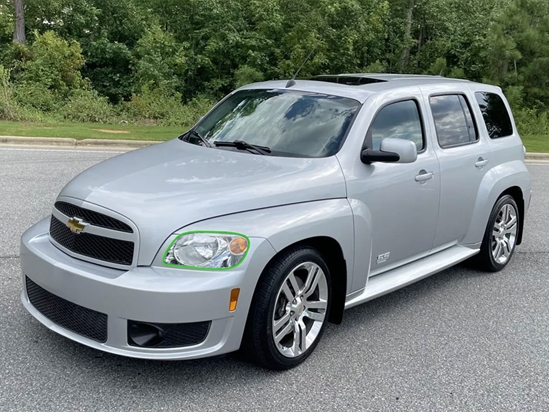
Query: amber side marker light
[(234, 299)]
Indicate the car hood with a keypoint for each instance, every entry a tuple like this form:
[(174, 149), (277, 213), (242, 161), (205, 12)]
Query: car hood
[(168, 186)]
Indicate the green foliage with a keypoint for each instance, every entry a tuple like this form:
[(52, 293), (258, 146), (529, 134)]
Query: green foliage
[(52, 62), (532, 122), (245, 75), (155, 60), (108, 67), (158, 106), (159, 61), (8, 107), (87, 107)]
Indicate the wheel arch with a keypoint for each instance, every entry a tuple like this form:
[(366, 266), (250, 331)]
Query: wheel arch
[(332, 252), (510, 178)]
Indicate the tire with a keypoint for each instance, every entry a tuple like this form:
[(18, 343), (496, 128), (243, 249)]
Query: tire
[(277, 326), (502, 229)]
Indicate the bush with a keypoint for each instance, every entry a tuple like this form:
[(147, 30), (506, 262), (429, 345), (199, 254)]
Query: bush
[(52, 63), (36, 96), (532, 122), (8, 106), (87, 106), (162, 108)]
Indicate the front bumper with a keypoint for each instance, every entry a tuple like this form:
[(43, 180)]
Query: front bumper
[(144, 294)]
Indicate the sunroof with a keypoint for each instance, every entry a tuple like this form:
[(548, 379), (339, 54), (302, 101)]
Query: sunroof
[(348, 80)]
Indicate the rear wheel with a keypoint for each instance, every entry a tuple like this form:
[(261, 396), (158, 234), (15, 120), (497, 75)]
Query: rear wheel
[(500, 238), (290, 309)]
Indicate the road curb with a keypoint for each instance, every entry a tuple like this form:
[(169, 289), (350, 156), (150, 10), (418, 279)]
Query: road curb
[(537, 156), (58, 141), (53, 141), (68, 142), (114, 143)]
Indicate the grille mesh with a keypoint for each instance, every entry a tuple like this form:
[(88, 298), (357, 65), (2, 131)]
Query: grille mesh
[(78, 319), (94, 218), (177, 334), (93, 246)]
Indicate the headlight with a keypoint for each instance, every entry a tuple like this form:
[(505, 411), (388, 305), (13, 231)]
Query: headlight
[(207, 250)]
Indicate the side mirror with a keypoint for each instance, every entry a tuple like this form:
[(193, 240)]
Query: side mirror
[(391, 151)]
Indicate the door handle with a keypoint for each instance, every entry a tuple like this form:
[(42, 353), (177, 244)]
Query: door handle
[(481, 163), (423, 176)]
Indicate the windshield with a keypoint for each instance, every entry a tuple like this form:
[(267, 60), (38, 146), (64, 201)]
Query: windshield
[(289, 123)]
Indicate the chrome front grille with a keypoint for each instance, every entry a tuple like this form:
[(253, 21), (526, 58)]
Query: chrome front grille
[(102, 239), (94, 218)]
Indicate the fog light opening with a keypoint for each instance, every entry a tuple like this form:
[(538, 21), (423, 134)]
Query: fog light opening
[(145, 335)]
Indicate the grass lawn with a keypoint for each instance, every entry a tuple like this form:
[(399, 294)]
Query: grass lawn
[(89, 131), (536, 144), (533, 143)]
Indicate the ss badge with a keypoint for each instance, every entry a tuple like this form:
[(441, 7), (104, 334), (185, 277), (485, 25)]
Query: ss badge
[(383, 257)]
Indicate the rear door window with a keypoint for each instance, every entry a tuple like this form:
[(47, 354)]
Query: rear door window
[(453, 120), (495, 114)]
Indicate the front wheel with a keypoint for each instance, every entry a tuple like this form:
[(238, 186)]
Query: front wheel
[(500, 238), (290, 309)]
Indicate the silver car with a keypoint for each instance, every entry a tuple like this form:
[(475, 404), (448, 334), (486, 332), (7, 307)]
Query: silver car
[(286, 204)]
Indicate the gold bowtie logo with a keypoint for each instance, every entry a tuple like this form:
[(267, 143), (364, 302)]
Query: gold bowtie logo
[(76, 225)]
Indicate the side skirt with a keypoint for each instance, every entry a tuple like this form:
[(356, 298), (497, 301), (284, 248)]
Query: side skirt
[(406, 275)]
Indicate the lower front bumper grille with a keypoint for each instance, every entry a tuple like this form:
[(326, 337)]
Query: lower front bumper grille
[(166, 335), (78, 319)]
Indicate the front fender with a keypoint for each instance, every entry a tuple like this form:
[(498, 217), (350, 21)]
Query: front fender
[(283, 226), (494, 183)]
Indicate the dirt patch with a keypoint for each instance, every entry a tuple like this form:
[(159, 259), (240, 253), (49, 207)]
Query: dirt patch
[(112, 131)]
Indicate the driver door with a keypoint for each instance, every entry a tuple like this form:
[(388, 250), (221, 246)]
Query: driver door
[(402, 198)]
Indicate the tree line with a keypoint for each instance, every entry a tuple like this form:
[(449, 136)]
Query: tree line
[(166, 61)]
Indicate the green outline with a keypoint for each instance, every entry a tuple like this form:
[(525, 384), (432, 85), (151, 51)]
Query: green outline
[(219, 232)]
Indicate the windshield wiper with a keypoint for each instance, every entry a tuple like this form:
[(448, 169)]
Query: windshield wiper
[(194, 133), (242, 145)]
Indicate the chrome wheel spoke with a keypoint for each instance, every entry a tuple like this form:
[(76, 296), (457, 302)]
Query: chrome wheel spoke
[(497, 250), (280, 323), (312, 281), (300, 339), (278, 337), (314, 315), (287, 292), (511, 223), (506, 248), (321, 304), (293, 283)]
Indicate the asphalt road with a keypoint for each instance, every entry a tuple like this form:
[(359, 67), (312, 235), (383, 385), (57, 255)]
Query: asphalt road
[(459, 341)]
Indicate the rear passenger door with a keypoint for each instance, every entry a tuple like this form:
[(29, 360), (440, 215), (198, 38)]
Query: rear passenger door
[(465, 157)]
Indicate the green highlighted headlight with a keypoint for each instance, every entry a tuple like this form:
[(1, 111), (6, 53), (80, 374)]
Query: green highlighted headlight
[(207, 250)]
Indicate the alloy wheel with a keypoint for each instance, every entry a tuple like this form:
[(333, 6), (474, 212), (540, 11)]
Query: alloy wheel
[(300, 309), (504, 233)]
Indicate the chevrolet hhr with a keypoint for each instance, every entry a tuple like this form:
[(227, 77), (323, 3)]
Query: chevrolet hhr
[(286, 204)]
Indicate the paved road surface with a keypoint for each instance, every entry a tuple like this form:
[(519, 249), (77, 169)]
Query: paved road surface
[(460, 340)]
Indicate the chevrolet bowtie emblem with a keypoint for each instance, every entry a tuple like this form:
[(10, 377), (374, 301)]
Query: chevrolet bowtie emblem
[(76, 225)]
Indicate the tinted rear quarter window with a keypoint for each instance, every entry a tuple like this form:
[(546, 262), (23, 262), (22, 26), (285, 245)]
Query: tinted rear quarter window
[(495, 114), (453, 120)]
